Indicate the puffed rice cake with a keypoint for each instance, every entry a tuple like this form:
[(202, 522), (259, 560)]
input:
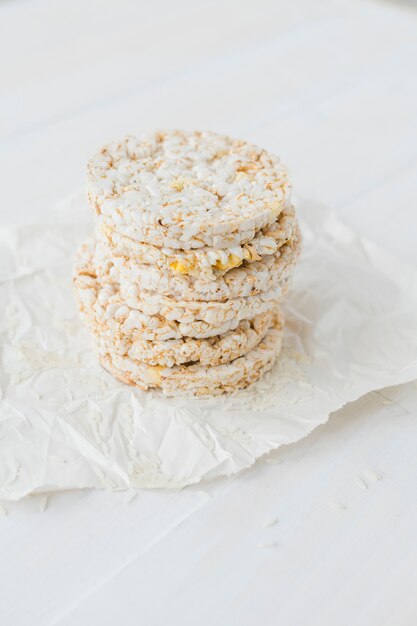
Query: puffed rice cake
[(212, 312), (185, 366), (247, 280), (102, 306), (210, 351), (195, 245), (206, 262), (187, 190), (197, 379)]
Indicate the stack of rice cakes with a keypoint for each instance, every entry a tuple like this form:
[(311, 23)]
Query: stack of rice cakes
[(195, 245)]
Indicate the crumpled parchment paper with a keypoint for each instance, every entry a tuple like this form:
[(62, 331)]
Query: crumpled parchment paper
[(65, 423)]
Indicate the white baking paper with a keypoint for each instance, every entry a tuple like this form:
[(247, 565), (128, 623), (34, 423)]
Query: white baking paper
[(65, 423)]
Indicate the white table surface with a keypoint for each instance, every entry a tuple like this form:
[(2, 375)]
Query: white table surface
[(331, 86)]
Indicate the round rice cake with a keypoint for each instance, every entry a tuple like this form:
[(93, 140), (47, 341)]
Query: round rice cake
[(247, 280), (209, 352), (187, 190), (207, 263), (152, 303), (103, 308), (196, 379), (213, 312)]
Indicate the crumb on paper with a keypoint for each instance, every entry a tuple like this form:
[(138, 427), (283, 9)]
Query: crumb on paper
[(43, 503), (299, 357), (372, 474), (204, 496), (336, 506), (361, 483), (270, 521), (386, 401)]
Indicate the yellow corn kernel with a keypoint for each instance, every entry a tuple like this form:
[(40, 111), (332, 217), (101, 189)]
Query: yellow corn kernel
[(232, 261), (178, 267), (155, 374), (177, 184)]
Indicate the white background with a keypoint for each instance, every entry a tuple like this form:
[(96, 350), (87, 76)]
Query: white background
[(331, 86)]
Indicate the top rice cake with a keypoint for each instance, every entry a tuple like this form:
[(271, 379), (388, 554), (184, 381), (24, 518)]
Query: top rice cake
[(187, 190)]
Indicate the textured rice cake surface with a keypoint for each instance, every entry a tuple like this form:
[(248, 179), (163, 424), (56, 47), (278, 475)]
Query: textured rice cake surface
[(187, 190), (209, 352), (102, 307), (152, 303), (213, 351), (249, 279), (197, 379), (208, 263)]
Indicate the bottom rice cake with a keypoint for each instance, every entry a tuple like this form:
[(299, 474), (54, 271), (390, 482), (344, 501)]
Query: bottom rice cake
[(196, 379), (209, 352)]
